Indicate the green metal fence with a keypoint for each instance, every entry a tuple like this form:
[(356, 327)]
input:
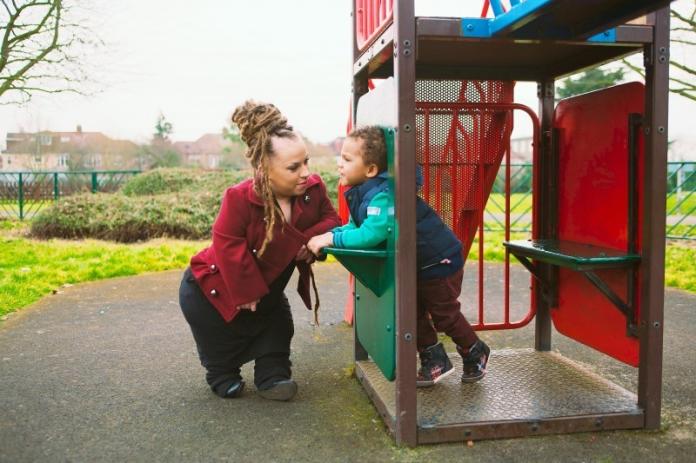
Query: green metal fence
[(520, 200), (681, 200), (24, 194)]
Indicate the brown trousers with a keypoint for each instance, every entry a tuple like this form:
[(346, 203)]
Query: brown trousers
[(439, 310)]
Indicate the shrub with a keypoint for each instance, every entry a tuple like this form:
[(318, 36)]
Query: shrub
[(177, 203), (330, 177), (160, 181), (117, 217)]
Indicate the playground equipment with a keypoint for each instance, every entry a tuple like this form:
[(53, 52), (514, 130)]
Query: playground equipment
[(597, 247)]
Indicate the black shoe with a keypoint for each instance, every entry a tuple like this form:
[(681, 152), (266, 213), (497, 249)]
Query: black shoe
[(280, 390), (435, 365), (234, 390), (475, 361)]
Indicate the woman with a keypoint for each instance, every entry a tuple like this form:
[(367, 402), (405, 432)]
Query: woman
[(232, 294)]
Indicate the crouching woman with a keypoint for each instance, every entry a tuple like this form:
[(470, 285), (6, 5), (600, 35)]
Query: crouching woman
[(232, 295)]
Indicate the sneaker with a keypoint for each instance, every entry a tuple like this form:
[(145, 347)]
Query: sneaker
[(474, 361), (435, 365), (280, 390)]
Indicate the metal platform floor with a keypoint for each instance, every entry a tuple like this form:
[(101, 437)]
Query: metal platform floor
[(521, 384)]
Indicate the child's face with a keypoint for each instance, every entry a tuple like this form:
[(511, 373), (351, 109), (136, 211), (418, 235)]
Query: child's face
[(351, 167)]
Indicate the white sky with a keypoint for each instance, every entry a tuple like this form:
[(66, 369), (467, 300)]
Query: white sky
[(195, 61)]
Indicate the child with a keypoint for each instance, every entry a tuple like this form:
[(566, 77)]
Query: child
[(363, 166)]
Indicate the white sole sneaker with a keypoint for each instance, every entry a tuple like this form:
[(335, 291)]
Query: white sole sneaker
[(429, 383)]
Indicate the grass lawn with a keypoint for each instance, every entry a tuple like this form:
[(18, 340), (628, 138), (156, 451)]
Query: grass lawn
[(519, 203), (681, 203), (10, 209), (31, 269), (681, 266), (680, 258)]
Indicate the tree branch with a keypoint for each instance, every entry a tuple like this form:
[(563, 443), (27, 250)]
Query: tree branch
[(685, 42), (684, 68), (690, 22), (686, 28), (38, 47), (637, 69), (683, 93), (41, 51)]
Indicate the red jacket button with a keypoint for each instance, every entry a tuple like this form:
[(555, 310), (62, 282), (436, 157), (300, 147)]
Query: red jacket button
[(213, 268), (213, 292)]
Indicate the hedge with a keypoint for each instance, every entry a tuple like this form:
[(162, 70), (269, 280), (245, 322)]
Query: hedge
[(174, 203)]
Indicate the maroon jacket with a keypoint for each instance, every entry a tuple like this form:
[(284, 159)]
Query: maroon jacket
[(230, 272)]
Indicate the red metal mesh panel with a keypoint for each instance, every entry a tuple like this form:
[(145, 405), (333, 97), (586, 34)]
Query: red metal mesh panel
[(461, 147)]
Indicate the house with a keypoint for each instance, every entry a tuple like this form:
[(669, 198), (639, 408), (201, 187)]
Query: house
[(207, 151), (521, 150), (213, 150), (63, 151)]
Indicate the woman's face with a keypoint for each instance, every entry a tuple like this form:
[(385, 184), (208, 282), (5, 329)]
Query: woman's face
[(288, 168)]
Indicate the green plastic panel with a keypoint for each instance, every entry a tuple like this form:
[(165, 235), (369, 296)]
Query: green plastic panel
[(374, 303), (375, 325), (375, 306), (577, 256), (368, 267)]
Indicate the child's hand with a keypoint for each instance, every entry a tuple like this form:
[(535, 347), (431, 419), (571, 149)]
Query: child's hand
[(320, 241)]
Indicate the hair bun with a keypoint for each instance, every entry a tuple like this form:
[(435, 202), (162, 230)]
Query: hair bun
[(254, 118)]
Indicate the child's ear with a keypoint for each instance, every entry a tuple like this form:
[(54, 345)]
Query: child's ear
[(372, 171)]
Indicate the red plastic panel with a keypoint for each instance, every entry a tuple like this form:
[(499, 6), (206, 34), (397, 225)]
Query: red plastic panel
[(371, 18), (593, 208)]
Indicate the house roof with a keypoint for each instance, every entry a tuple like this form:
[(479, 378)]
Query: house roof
[(209, 143), (61, 142)]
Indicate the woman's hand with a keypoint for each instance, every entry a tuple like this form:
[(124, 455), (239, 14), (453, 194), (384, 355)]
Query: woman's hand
[(248, 306), (320, 241), (303, 255)]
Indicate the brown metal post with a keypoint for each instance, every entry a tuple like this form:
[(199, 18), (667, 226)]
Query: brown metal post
[(405, 205), (546, 214), (653, 245)]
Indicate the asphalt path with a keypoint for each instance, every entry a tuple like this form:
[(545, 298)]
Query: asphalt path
[(107, 371)]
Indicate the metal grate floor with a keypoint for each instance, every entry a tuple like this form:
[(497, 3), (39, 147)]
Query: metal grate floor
[(521, 384)]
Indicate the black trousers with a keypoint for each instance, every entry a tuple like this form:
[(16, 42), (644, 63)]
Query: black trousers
[(262, 336)]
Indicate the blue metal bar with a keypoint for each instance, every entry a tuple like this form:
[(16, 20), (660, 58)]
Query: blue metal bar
[(608, 36), (523, 13), (497, 6)]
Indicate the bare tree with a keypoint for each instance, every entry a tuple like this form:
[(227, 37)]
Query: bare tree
[(683, 30), (43, 42)]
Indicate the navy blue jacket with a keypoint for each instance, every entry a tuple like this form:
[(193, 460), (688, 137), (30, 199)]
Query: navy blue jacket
[(435, 241)]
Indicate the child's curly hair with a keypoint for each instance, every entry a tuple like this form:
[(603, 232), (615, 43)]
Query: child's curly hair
[(374, 146), (258, 123)]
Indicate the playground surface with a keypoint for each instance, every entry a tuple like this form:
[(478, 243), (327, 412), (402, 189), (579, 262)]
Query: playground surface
[(107, 371)]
